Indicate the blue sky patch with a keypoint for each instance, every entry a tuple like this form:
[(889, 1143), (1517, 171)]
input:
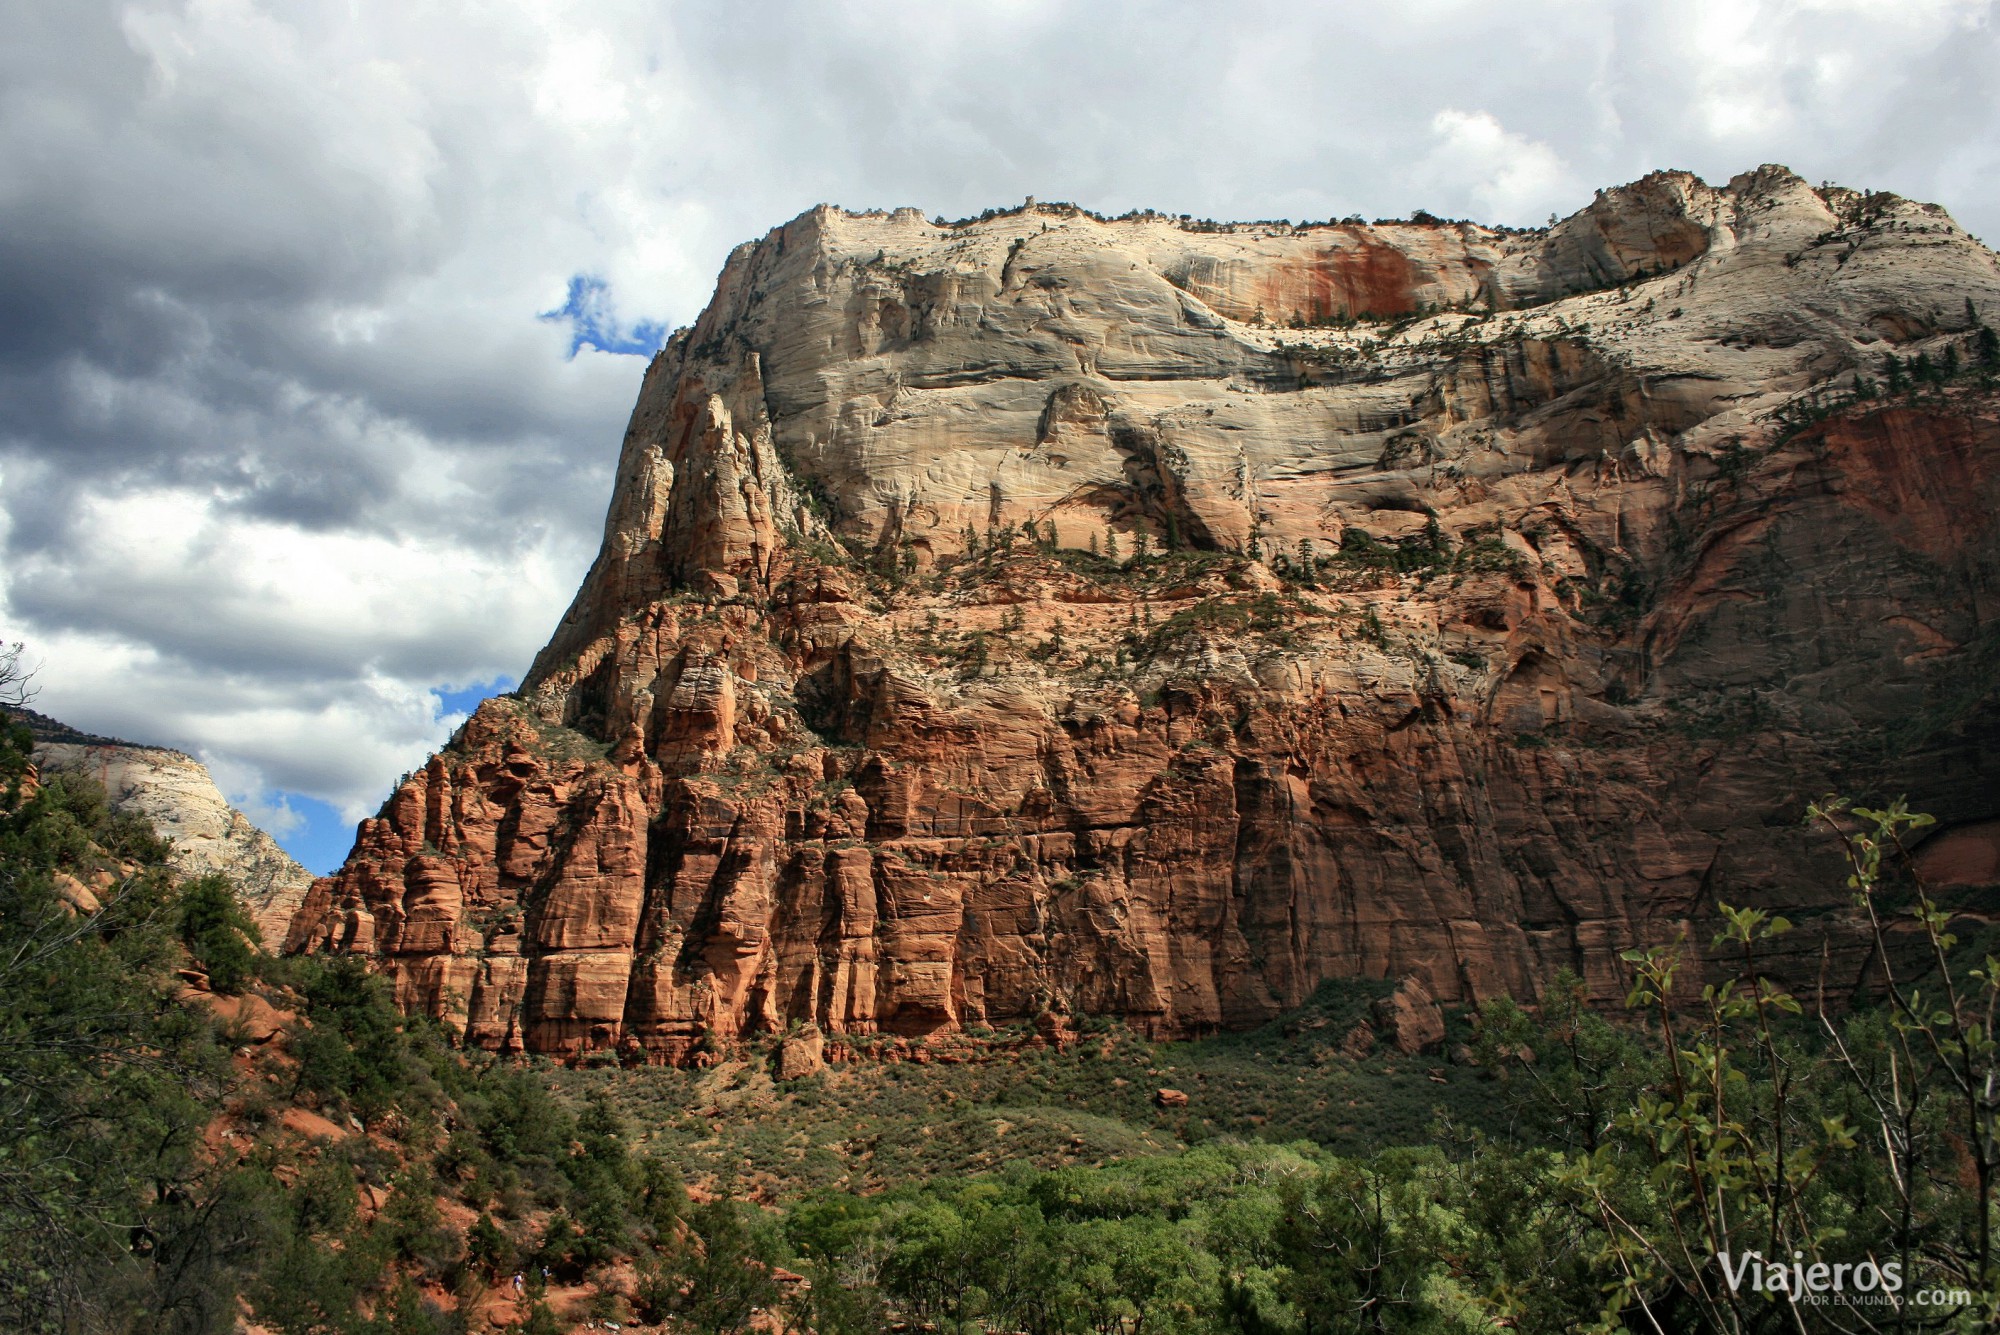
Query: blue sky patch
[(593, 322), (319, 839), (465, 699)]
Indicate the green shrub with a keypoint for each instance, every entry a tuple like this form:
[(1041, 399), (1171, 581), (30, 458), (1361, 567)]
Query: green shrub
[(717, 1279), (218, 932)]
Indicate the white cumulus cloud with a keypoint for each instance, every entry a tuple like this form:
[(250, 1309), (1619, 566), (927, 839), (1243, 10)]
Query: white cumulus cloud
[(1509, 177)]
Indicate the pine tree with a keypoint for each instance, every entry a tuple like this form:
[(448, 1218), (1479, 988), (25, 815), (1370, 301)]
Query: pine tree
[(219, 933), (976, 654)]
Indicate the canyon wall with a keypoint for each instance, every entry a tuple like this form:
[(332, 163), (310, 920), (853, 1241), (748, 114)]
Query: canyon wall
[(1054, 614)]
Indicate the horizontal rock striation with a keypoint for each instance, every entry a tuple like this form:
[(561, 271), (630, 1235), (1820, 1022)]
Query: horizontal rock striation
[(1047, 614)]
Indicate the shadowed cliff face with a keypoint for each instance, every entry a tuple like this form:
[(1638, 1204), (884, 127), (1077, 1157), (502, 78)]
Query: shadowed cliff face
[(1506, 634)]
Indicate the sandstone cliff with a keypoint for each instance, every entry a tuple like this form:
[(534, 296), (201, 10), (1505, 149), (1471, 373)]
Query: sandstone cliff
[(174, 792), (1046, 613)]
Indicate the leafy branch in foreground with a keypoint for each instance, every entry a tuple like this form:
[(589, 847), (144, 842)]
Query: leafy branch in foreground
[(1775, 1175), (1944, 1039)]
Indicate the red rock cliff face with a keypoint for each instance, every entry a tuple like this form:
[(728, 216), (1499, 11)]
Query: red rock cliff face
[(997, 619)]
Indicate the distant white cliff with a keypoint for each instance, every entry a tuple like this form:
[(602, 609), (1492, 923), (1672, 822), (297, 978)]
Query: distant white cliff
[(176, 793)]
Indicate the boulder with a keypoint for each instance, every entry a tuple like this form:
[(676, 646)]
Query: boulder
[(801, 1055), (80, 897), (1409, 1018)]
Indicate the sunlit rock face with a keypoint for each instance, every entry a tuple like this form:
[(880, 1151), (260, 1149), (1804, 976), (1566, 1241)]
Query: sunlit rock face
[(1051, 614), (176, 793)]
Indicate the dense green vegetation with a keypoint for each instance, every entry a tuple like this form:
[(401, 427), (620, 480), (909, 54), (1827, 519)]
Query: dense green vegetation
[(152, 1173), (101, 1077)]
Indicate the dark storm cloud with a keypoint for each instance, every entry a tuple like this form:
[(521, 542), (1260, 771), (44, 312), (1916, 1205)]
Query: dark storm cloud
[(285, 442)]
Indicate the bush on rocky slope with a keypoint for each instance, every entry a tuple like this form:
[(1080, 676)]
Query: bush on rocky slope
[(170, 1151)]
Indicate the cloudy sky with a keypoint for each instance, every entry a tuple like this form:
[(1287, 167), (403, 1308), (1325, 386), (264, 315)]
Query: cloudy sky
[(319, 321)]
